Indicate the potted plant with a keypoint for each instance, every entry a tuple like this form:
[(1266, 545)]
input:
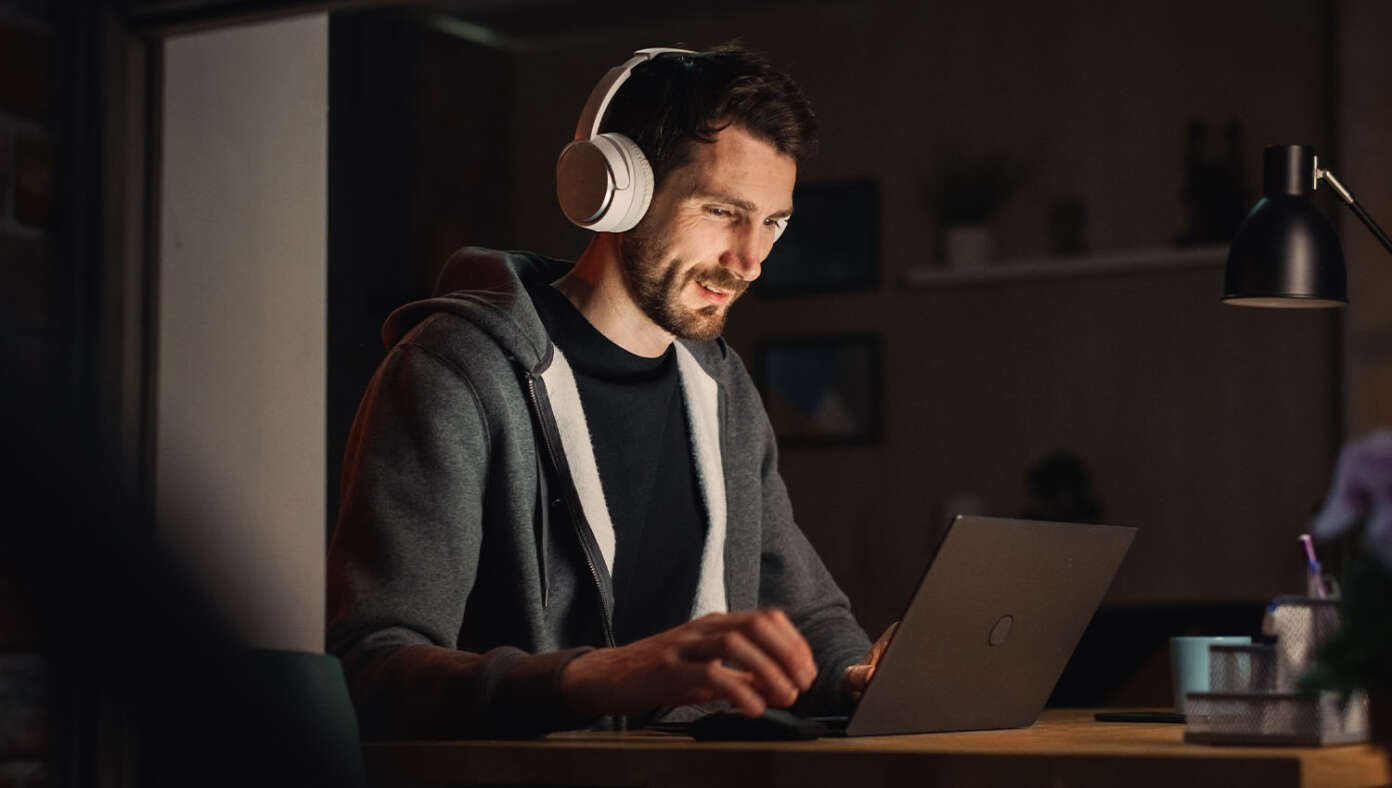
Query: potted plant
[(1359, 655), (967, 193)]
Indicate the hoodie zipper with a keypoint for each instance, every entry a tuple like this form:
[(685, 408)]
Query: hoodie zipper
[(546, 427)]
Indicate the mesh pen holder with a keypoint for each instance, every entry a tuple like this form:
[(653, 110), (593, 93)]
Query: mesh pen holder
[(1300, 625), (1254, 696), (1242, 668)]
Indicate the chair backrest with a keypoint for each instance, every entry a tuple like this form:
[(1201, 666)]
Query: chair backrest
[(313, 706)]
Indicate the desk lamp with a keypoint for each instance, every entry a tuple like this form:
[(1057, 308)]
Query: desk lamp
[(1285, 253)]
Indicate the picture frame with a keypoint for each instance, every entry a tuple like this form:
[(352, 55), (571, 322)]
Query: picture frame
[(823, 391), (831, 244)]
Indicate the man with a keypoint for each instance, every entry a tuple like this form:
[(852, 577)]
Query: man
[(560, 500)]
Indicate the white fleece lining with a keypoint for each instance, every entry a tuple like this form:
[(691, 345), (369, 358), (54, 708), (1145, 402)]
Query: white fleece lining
[(701, 394), (579, 452), (703, 412)]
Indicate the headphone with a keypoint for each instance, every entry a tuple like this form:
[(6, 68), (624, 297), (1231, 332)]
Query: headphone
[(604, 182)]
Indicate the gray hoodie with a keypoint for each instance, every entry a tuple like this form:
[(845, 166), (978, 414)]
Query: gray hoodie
[(473, 552)]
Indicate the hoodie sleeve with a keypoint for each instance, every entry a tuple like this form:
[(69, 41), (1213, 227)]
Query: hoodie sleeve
[(404, 558), (792, 576)]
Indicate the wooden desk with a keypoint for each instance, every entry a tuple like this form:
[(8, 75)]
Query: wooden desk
[(1065, 748)]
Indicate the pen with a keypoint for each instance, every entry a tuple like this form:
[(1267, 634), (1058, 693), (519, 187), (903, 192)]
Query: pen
[(1314, 581)]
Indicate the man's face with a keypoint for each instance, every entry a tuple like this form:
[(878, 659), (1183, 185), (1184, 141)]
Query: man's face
[(707, 232)]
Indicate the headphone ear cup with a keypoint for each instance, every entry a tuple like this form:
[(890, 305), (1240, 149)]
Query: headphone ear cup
[(584, 183), (604, 184), (631, 203)]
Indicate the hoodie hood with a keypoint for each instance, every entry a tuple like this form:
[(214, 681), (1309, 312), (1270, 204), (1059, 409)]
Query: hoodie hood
[(488, 288)]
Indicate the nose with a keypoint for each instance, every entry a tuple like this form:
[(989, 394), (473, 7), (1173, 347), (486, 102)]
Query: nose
[(746, 252)]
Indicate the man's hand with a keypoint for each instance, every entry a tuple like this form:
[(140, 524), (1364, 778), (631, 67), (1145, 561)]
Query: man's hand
[(752, 659), (857, 677)]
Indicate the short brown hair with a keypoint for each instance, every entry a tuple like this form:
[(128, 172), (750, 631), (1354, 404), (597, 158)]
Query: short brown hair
[(676, 100)]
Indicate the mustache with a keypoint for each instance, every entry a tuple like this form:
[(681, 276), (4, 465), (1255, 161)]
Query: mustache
[(721, 278)]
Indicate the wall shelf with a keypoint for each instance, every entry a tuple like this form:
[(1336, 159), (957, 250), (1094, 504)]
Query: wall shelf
[(1101, 263)]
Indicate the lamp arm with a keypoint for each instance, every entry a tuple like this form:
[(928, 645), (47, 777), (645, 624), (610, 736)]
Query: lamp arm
[(1355, 207)]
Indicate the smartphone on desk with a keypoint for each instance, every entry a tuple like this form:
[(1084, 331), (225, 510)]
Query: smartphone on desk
[(1139, 716)]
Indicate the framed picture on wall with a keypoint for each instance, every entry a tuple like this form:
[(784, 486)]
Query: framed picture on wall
[(822, 390), (831, 243)]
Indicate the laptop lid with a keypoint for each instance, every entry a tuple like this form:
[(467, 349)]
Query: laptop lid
[(996, 616)]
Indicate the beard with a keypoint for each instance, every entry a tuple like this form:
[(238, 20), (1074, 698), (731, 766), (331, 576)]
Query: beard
[(656, 284)]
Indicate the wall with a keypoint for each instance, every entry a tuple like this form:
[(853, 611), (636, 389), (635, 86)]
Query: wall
[(241, 362), (1362, 159)]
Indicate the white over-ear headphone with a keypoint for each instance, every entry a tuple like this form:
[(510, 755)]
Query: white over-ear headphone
[(603, 181)]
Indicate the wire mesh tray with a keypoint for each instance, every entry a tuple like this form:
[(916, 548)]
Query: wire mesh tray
[(1298, 718), (1243, 669)]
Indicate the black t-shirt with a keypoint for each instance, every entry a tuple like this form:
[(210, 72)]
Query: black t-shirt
[(637, 421)]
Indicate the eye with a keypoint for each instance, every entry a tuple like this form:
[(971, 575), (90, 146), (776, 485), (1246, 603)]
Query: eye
[(778, 224), (719, 212)]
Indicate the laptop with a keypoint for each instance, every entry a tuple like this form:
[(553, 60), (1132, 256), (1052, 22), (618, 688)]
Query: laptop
[(995, 618)]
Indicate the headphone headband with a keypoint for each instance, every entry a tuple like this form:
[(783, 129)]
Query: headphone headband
[(593, 115)]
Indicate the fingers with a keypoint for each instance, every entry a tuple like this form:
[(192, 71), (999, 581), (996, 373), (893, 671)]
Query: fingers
[(709, 679), (797, 654), (858, 677), (878, 650), (751, 659), (733, 647), (764, 641), (772, 632)]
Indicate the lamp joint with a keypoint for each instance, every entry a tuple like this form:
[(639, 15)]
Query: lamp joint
[(1333, 183)]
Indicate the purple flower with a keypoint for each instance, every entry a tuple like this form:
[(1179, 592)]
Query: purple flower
[(1362, 491)]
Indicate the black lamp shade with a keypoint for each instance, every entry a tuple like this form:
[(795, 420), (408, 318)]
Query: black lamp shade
[(1286, 254)]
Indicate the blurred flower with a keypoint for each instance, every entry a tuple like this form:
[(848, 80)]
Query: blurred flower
[(1362, 492)]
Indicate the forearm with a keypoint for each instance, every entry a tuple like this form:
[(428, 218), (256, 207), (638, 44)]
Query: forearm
[(422, 691)]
